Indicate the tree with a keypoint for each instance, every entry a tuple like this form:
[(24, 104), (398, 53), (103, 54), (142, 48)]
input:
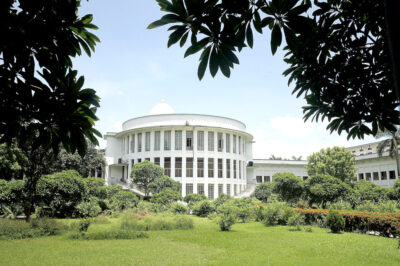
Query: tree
[(322, 189), (145, 173), (392, 142), (12, 162), (166, 196), (288, 186), (85, 166), (366, 190), (263, 191), (344, 56), (162, 183), (41, 96), (337, 162)]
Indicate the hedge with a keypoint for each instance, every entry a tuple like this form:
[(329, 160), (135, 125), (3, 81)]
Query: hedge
[(386, 224)]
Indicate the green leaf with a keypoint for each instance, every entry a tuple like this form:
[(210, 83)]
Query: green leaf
[(213, 62), (230, 55), (203, 62), (249, 36), (196, 47), (267, 21), (223, 65), (156, 24), (176, 35), (276, 38), (184, 38)]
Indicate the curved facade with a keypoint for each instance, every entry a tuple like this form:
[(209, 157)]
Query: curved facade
[(206, 154)]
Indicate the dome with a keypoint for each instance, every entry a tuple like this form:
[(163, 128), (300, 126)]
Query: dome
[(161, 109)]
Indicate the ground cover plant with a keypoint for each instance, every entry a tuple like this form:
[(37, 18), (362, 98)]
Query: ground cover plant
[(246, 243)]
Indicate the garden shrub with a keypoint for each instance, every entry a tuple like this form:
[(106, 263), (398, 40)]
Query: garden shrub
[(61, 192), (88, 208), (123, 200), (192, 199), (335, 221), (165, 197), (263, 191), (95, 187), (179, 208), (46, 226), (296, 220), (151, 207), (226, 216), (341, 205), (12, 197), (101, 219), (276, 213), (244, 214), (83, 225), (136, 221), (203, 208), (222, 198)]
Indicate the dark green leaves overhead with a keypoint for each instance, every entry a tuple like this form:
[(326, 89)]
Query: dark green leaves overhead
[(42, 99), (337, 52)]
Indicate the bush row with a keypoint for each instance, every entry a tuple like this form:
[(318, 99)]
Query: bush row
[(386, 224)]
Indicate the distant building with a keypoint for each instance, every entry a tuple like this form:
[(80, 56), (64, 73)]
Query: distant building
[(210, 154)]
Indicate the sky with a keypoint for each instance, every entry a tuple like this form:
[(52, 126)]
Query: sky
[(132, 70)]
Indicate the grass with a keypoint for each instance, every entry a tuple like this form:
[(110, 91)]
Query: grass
[(250, 243)]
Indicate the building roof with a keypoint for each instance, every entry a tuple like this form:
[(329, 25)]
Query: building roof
[(161, 109)]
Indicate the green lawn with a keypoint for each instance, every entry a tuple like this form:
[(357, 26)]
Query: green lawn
[(250, 243)]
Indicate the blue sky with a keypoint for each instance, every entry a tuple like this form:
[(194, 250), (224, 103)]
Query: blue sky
[(132, 70)]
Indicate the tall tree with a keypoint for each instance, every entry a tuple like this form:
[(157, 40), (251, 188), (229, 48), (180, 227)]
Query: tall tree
[(12, 162), (144, 174), (392, 142), (342, 54), (336, 161), (42, 99)]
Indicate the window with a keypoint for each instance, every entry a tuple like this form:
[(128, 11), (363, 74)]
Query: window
[(259, 179), (368, 176), (228, 189), (220, 189), (228, 143), (376, 175), (305, 178), (200, 189), (189, 167), (235, 189), (178, 140), (132, 163), (240, 145), (157, 161), (360, 176), (178, 167), (167, 166), (139, 160), (211, 141), (189, 188), (234, 143), (132, 143), (220, 142), (147, 146), (147, 159), (200, 167), (392, 174), (228, 168), (234, 169), (211, 191), (157, 141), (167, 140), (127, 144), (219, 168), (210, 167), (267, 178), (189, 140), (200, 140), (240, 169), (139, 140), (383, 175)]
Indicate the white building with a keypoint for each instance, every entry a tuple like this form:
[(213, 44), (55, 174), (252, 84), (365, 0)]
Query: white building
[(210, 154)]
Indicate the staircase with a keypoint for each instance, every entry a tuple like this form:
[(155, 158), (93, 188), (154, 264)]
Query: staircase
[(247, 193)]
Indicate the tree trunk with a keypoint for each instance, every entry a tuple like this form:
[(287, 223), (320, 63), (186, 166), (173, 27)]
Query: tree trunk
[(396, 155)]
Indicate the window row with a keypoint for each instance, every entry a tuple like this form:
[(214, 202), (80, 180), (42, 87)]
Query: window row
[(376, 176), (211, 188), (234, 168), (267, 178), (152, 142)]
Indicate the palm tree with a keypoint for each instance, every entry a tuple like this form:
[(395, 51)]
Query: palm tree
[(392, 141)]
